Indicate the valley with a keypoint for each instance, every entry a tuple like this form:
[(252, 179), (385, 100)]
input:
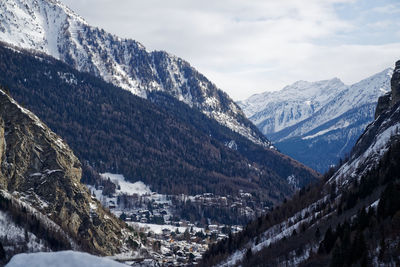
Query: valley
[(176, 225), (115, 155)]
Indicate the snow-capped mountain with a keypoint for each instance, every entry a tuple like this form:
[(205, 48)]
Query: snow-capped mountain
[(274, 111), (49, 26), (317, 120), (339, 222)]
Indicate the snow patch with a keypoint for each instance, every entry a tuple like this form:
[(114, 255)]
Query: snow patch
[(232, 145), (17, 234), (61, 259), (293, 181), (342, 125), (157, 228), (129, 188)]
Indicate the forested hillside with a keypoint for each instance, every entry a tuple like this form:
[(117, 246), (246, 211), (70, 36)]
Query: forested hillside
[(173, 148)]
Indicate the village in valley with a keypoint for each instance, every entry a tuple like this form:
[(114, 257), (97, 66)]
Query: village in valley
[(171, 232)]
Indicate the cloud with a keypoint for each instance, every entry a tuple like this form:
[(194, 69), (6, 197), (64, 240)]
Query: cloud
[(252, 46), (387, 9)]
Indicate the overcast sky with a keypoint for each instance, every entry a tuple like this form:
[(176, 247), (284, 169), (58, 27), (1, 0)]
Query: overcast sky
[(252, 46)]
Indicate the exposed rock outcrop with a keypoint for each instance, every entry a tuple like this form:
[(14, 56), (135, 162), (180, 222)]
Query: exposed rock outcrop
[(391, 98), (38, 168), (395, 84), (383, 104)]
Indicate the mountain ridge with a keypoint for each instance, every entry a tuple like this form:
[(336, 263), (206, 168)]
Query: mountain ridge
[(53, 28), (121, 133), (294, 118)]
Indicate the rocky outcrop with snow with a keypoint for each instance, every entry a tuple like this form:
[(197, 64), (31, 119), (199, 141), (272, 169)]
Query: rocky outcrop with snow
[(377, 137), (305, 116), (40, 175), (51, 27)]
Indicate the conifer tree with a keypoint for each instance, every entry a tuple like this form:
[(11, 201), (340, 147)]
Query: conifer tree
[(2, 252)]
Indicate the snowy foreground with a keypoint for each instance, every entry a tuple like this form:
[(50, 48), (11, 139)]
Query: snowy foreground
[(61, 259)]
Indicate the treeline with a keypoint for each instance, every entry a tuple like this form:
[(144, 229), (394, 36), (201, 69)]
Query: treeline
[(92, 177)]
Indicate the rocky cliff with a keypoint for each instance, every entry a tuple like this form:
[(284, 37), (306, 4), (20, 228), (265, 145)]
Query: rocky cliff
[(395, 84), (391, 98), (39, 169)]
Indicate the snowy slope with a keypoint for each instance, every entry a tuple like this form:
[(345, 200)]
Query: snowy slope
[(378, 136), (364, 92), (11, 235), (126, 187), (304, 117), (274, 111), (49, 26), (61, 259)]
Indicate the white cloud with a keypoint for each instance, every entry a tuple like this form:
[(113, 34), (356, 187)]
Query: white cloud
[(246, 46)]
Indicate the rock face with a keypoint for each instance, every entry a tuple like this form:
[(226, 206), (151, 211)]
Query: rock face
[(49, 26), (395, 84), (391, 98), (383, 104), (38, 168)]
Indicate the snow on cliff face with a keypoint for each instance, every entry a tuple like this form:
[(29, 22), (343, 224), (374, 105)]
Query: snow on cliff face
[(371, 146), (49, 26)]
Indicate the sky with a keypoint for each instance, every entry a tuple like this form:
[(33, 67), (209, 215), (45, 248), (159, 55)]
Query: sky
[(252, 46)]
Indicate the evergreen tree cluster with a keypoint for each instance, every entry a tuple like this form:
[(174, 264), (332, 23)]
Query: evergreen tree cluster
[(347, 230), (55, 239)]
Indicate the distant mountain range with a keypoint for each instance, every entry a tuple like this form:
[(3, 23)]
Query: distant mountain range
[(351, 218), (317, 123), (49, 26)]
